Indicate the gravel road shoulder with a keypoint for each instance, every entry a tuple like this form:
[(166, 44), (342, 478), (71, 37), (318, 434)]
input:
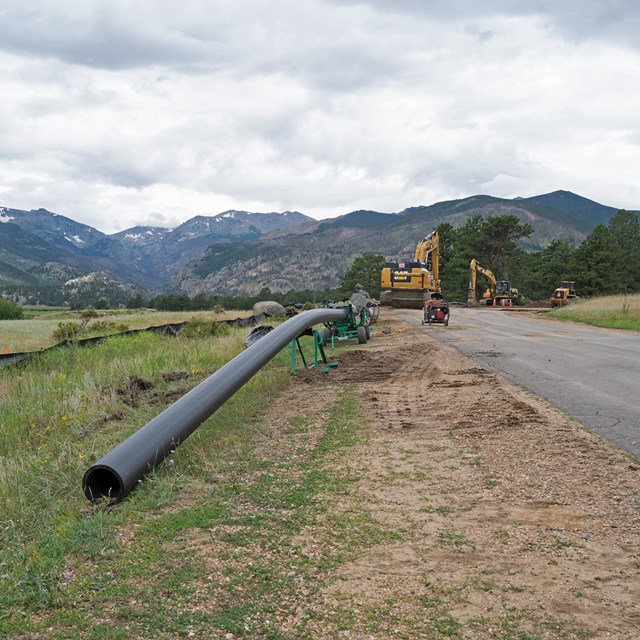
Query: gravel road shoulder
[(513, 520)]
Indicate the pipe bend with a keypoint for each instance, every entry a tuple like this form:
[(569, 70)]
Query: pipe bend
[(118, 472)]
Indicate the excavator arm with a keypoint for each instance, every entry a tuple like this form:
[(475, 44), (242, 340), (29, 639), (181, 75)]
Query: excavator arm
[(427, 248), (475, 268)]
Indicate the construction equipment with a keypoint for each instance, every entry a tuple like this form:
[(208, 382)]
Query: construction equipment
[(565, 293), (498, 294), (363, 312), (436, 311), (410, 284), (319, 355)]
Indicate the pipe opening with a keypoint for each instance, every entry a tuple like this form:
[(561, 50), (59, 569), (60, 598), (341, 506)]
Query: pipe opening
[(101, 483), (117, 473)]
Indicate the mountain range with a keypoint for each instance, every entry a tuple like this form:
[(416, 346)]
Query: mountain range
[(239, 252), (40, 249)]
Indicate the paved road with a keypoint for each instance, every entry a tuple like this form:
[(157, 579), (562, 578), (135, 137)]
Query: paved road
[(591, 374)]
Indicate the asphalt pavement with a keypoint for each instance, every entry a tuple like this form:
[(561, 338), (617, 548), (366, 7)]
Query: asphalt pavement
[(591, 374)]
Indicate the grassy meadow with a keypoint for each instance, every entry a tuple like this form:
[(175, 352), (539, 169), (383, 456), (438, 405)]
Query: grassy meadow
[(70, 569), (37, 332), (612, 312)]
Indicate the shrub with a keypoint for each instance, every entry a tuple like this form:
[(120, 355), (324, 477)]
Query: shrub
[(89, 313), (107, 326), (74, 330), (205, 329), (10, 310), (67, 331)]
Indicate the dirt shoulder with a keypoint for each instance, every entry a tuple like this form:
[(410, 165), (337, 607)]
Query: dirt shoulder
[(513, 521)]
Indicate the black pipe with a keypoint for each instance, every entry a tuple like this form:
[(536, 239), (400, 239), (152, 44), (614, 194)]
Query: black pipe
[(117, 473)]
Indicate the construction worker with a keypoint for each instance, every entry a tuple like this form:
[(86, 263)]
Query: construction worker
[(359, 289)]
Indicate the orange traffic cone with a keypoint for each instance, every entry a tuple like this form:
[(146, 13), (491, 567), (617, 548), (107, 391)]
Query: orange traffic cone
[(510, 302), (6, 349), (494, 302)]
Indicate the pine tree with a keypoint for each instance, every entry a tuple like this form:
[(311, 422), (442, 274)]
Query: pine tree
[(492, 242), (365, 270), (624, 228), (598, 263)]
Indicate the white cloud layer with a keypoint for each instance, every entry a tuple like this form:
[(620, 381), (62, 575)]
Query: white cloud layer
[(121, 112)]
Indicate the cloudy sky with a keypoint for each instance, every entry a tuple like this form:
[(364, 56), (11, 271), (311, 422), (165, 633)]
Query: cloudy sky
[(124, 112)]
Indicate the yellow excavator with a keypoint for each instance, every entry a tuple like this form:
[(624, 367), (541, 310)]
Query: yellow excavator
[(498, 294), (408, 285)]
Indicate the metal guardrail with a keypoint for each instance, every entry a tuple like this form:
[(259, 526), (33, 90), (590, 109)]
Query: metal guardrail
[(115, 475), (168, 328)]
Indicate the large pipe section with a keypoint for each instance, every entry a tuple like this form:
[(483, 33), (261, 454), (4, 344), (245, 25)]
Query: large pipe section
[(117, 473)]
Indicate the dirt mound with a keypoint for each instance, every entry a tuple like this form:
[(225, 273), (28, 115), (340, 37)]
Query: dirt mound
[(539, 304), (313, 376), (171, 376)]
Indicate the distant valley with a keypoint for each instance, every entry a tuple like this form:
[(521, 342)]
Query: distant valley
[(43, 254)]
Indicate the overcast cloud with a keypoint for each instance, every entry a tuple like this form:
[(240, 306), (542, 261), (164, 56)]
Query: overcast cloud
[(125, 112)]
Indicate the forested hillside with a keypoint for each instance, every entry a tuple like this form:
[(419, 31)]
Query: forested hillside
[(242, 254), (606, 262), (318, 255)]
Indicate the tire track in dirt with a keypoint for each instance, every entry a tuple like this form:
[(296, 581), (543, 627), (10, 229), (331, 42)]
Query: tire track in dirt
[(512, 517)]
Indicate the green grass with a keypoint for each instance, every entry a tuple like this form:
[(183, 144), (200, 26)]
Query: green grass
[(36, 333), (451, 539), (57, 415), (152, 566), (612, 312), (442, 510), (246, 524)]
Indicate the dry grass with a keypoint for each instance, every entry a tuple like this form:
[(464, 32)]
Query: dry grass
[(609, 303), (613, 312), (37, 333)]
